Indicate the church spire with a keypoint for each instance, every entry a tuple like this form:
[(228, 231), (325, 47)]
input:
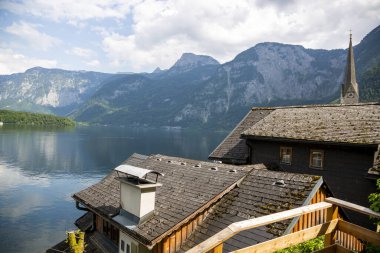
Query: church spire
[(350, 89)]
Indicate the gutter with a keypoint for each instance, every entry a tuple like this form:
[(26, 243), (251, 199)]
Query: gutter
[(93, 227)]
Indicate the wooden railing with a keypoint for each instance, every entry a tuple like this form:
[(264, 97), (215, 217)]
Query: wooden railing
[(334, 230)]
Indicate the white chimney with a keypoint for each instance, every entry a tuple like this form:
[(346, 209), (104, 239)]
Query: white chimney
[(137, 194)]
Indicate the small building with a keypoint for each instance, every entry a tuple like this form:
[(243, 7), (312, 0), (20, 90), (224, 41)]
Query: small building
[(166, 204), (340, 142)]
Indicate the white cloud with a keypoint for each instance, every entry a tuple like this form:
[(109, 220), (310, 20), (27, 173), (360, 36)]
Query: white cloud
[(70, 10), (93, 63), (13, 62), (163, 30), (32, 35), (81, 52)]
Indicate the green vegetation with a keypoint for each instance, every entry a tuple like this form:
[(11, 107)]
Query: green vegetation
[(306, 247), (33, 119), (370, 85), (374, 199)]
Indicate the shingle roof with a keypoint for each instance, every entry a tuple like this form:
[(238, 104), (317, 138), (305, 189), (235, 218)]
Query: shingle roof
[(187, 186), (354, 124), (350, 124), (256, 196), (233, 148)]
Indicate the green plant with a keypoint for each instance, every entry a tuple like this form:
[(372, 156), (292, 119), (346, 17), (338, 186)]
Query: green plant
[(305, 247), (374, 199)]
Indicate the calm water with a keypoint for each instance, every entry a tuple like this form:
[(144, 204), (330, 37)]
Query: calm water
[(40, 169)]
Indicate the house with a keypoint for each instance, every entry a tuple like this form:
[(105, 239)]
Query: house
[(340, 142), (167, 204)]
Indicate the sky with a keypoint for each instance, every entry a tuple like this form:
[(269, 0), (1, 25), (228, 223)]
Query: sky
[(138, 36)]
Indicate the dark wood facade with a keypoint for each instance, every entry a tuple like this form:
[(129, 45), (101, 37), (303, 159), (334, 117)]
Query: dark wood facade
[(344, 168)]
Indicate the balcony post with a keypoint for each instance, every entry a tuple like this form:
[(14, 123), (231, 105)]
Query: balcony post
[(332, 213), (217, 249)]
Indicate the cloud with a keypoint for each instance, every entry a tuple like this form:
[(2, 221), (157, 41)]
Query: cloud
[(13, 62), (163, 30), (93, 63), (81, 52), (70, 10), (30, 33), (150, 33)]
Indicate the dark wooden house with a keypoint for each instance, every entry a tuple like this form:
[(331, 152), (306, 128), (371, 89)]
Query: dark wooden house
[(187, 201)]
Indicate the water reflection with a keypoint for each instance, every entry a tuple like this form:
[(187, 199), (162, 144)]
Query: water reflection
[(41, 168)]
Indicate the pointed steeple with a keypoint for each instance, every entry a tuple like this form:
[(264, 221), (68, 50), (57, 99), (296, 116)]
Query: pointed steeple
[(350, 89)]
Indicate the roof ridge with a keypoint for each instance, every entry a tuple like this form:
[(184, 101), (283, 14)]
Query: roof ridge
[(312, 106)]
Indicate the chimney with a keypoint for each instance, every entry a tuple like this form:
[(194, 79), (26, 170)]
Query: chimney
[(137, 194)]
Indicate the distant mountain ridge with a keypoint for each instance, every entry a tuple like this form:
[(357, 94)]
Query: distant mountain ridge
[(48, 90), (197, 91)]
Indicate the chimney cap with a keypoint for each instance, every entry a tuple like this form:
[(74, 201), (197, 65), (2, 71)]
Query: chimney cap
[(136, 171)]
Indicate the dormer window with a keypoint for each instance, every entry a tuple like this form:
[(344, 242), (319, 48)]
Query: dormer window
[(316, 159), (286, 155)]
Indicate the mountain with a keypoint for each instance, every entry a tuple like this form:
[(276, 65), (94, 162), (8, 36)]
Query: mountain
[(48, 90), (197, 91), (146, 99), (267, 74), (190, 61)]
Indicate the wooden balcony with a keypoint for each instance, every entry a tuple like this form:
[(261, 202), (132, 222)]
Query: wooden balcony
[(340, 235)]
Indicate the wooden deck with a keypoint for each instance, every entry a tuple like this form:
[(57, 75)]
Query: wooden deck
[(340, 235)]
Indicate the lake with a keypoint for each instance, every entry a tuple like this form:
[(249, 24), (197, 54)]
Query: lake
[(41, 168)]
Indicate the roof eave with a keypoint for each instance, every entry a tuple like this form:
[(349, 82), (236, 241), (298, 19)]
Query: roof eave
[(295, 140), (135, 236)]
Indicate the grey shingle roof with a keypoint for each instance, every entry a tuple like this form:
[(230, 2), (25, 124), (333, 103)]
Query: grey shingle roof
[(354, 124), (233, 148), (185, 189), (189, 185), (256, 196)]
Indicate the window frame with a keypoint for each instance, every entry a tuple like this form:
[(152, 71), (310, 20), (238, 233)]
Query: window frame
[(286, 149), (122, 245), (313, 166)]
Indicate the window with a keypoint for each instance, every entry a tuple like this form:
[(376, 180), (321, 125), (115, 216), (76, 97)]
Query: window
[(285, 155), (122, 245), (128, 248), (316, 159)]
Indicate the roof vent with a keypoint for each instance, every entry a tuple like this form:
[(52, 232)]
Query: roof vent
[(280, 183), (183, 163), (169, 161), (159, 159), (214, 168), (137, 193), (233, 171), (198, 165)]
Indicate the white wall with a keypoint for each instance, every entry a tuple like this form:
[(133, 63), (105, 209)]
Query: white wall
[(127, 240)]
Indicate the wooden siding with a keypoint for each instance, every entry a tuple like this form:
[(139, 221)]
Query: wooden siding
[(314, 218), (106, 228), (319, 217), (343, 167), (173, 242)]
